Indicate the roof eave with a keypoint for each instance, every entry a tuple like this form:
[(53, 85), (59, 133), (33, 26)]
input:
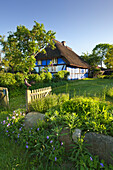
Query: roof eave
[(78, 66)]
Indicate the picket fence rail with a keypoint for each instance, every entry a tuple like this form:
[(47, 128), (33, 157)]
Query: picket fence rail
[(32, 95)]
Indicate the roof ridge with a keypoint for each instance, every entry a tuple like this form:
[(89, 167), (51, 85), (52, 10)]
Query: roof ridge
[(57, 41)]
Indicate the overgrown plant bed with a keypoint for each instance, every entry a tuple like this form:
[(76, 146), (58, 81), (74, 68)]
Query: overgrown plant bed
[(87, 114)]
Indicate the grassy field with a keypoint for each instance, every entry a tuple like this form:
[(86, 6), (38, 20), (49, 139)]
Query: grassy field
[(15, 157), (86, 87)]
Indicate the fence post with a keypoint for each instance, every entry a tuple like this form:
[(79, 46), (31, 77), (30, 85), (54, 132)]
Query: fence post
[(28, 98), (7, 98), (4, 98)]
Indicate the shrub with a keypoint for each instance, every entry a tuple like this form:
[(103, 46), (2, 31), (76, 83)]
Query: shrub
[(42, 143), (105, 76), (19, 77), (43, 104), (110, 92), (43, 76), (37, 78), (48, 77), (7, 79), (60, 75), (66, 74), (31, 77), (96, 72), (87, 114), (34, 78)]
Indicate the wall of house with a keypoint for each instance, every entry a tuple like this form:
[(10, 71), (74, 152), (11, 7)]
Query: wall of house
[(58, 65), (77, 73)]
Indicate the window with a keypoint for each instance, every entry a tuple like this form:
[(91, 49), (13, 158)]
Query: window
[(39, 62), (60, 61), (54, 60), (53, 69), (43, 62), (48, 62)]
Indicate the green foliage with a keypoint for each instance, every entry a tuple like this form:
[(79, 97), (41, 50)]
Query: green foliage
[(87, 114), (94, 115), (21, 46), (48, 77), (60, 75), (96, 72), (34, 78), (43, 104), (42, 76), (90, 59), (41, 142), (100, 52), (98, 55), (7, 79), (19, 77), (104, 76), (82, 159), (110, 92), (109, 58)]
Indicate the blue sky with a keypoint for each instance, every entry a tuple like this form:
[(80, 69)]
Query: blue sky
[(81, 23)]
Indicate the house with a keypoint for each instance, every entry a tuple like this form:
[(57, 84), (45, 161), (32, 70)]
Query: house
[(63, 58)]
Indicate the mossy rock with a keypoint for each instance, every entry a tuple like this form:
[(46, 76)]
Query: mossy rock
[(32, 119)]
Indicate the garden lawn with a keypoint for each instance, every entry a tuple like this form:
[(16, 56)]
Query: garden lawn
[(87, 87), (13, 156)]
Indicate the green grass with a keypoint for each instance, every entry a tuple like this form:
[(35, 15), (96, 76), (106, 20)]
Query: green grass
[(13, 156), (86, 87)]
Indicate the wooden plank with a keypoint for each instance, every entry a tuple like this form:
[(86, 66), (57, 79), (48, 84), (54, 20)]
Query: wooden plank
[(36, 94), (4, 97)]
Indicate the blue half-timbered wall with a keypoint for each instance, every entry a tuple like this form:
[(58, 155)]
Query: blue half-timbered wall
[(77, 73), (58, 65)]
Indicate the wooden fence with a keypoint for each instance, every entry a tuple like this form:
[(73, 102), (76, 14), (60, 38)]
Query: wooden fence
[(32, 95), (4, 98)]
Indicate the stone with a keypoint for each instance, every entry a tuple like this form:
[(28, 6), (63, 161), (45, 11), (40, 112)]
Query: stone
[(76, 134), (65, 137), (100, 145), (32, 119)]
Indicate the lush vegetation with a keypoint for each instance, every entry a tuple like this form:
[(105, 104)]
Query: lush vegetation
[(40, 145), (17, 79), (101, 53), (42, 105), (21, 46)]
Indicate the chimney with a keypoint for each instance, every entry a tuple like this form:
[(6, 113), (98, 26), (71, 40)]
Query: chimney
[(63, 43)]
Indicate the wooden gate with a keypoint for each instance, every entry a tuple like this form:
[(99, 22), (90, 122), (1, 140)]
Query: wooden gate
[(4, 98), (32, 95)]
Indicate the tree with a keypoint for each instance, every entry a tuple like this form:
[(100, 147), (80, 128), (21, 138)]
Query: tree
[(98, 55), (100, 52), (22, 46), (91, 59), (109, 58)]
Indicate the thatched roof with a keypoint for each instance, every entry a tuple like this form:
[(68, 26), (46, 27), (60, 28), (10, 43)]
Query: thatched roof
[(64, 52)]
